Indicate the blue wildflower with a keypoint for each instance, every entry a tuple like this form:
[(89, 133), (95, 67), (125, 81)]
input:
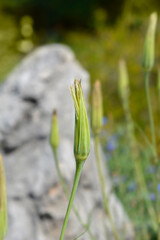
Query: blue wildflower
[(132, 187), (158, 187), (112, 143), (152, 197), (104, 120), (110, 146), (151, 169), (124, 178)]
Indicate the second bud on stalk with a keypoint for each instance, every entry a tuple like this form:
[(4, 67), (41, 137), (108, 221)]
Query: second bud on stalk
[(81, 134), (54, 136), (96, 108), (148, 50)]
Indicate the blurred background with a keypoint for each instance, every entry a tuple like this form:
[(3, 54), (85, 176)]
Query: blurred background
[(100, 33)]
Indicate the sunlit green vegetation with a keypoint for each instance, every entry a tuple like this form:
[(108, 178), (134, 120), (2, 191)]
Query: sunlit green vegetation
[(98, 49)]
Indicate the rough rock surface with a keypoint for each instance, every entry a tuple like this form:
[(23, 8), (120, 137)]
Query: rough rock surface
[(36, 202)]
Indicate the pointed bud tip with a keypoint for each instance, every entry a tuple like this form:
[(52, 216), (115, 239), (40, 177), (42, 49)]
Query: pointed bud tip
[(122, 62), (54, 113), (77, 83), (97, 84), (154, 17)]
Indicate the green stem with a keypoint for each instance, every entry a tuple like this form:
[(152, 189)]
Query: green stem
[(143, 136), (79, 166), (157, 199), (60, 174), (120, 171), (151, 121), (153, 136), (103, 188), (67, 195), (137, 167), (156, 181), (143, 188)]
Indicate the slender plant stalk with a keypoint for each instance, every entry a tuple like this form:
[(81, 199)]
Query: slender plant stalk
[(143, 136), (3, 202), (157, 199), (79, 166), (153, 138), (120, 171), (65, 189), (151, 121), (158, 85), (143, 187), (103, 188), (138, 170), (81, 142)]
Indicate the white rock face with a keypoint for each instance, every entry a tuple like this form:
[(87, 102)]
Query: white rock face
[(36, 202)]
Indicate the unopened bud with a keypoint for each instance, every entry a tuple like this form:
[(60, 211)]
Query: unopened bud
[(96, 108), (123, 82), (54, 137), (81, 133), (149, 44), (3, 202)]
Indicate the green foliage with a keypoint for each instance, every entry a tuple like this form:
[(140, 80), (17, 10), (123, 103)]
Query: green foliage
[(79, 12), (57, 12), (99, 52), (9, 56), (121, 167)]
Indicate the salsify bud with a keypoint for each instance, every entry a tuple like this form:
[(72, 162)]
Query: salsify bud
[(123, 82), (3, 202), (96, 108), (149, 44), (54, 136), (81, 133)]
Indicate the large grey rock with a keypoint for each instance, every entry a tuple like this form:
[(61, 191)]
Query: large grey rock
[(36, 202)]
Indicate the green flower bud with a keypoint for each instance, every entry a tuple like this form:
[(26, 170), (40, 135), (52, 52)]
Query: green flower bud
[(148, 50), (81, 133), (54, 137), (3, 202), (123, 80), (96, 108)]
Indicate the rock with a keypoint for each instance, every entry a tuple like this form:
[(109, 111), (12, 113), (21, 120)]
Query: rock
[(36, 201)]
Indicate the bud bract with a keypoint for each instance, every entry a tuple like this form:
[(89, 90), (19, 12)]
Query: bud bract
[(96, 108), (81, 133), (3, 202), (123, 82), (149, 44), (54, 136)]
